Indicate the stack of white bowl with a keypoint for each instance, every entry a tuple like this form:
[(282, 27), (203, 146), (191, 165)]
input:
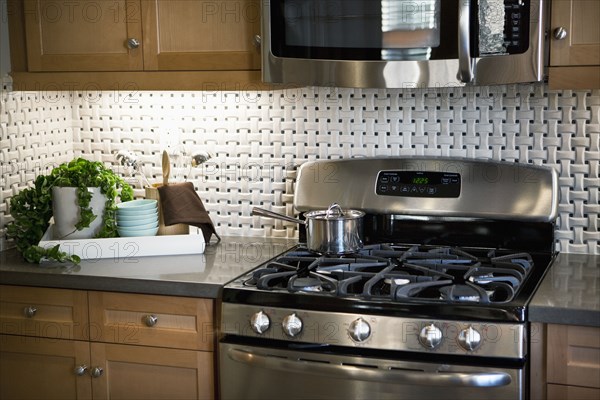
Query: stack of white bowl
[(137, 218)]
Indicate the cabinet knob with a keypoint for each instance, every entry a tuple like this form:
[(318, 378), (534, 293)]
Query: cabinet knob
[(29, 311), (150, 320), (133, 43), (80, 370), (257, 41), (560, 33), (96, 372)]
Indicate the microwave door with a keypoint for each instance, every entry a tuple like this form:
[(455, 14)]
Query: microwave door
[(402, 43), (364, 30), (410, 30)]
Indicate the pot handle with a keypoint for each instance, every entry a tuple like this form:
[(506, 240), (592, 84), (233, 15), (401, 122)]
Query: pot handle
[(270, 214)]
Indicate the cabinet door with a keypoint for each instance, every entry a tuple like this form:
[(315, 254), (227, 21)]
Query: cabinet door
[(578, 52), (84, 35), (40, 368), (201, 35), (573, 355), (45, 312), (560, 392), (139, 372)]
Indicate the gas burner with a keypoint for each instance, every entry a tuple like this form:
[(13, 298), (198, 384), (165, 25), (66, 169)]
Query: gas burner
[(305, 284), (397, 272), (396, 281), (460, 293)]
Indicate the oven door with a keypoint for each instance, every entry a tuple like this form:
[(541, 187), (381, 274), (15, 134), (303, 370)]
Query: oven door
[(253, 372)]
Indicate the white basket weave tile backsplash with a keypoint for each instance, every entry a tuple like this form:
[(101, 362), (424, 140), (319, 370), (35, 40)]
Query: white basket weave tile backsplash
[(257, 139)]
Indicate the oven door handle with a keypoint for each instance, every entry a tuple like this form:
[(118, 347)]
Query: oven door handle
[(477, 379)]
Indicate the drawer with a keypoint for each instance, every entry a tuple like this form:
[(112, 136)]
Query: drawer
[(43, 312), (164, 321), (573, 355)]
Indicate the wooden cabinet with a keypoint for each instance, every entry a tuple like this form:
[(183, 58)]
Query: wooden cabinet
[(43, 368), (575, 44), (573, 360), (140, 372), (85, 35), (129, 345), (134, 44), (183, 323), (43, 312), (201, 35), (565, 362)]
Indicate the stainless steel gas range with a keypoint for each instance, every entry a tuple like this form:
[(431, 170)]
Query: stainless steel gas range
[(434, 305)]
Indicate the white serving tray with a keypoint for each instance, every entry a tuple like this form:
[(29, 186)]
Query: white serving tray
[(127, 247)]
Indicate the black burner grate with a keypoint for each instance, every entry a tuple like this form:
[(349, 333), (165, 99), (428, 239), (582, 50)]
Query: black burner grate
[(396, 272)]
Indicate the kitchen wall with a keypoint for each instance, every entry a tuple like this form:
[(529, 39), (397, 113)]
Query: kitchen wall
[(257, 139)]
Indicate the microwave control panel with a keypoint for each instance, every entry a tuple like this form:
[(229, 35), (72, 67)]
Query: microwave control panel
[(516, 25), (418, 184), (515, 37)]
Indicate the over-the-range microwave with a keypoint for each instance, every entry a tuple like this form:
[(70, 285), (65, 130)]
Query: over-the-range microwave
[(402, 43)]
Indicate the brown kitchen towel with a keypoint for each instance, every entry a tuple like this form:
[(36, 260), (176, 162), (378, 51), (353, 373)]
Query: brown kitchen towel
[(181, 205)]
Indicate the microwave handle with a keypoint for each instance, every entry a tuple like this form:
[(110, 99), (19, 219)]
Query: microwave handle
[(465, 64)]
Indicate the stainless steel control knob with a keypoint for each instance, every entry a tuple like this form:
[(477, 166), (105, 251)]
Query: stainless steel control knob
[(430, 336), (469, 339), (292, 325), (359, 330), (260, 322)]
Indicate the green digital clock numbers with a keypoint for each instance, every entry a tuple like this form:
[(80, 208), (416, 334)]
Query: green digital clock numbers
[(420, 180)]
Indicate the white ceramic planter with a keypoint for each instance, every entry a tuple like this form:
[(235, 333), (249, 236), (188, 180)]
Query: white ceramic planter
[(66, 213)]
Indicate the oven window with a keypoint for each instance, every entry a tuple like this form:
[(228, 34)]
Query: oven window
[(365, 29)]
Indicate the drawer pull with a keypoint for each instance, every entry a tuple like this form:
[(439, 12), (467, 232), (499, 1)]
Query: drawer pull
[(81, 370), (96, 372), (150, 320), (132, 43), (29, 311)]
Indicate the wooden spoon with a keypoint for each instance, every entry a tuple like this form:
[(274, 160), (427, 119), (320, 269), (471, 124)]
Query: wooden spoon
[(166, 167)]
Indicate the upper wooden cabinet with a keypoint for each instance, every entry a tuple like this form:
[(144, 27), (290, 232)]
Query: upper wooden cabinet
[(201, 35), (135, 44), (84, 35), (575, 44)]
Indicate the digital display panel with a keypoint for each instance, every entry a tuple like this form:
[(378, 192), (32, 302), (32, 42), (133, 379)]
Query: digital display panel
[(418, 184)]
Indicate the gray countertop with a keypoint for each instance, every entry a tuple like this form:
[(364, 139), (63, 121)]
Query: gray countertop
[(200, 275), (569, 293)]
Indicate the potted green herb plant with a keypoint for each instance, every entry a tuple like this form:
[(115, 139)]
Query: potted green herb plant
[(32, 208)]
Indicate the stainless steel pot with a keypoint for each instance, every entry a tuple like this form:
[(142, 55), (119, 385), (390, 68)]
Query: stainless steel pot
[(331, 231)]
